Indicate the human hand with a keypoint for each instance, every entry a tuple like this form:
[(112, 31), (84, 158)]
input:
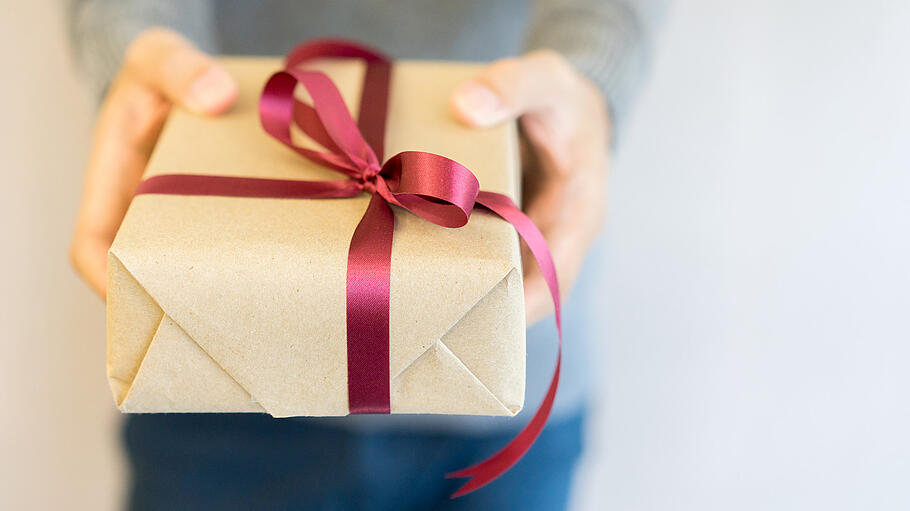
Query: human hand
[(565, 156), (161, 69)]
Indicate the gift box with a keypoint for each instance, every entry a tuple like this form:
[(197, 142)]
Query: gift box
[(238, 304)]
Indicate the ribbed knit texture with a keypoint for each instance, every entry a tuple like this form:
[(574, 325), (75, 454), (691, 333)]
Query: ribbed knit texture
[(604, 39)]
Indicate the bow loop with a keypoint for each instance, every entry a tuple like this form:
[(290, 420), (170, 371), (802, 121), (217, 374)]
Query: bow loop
[(432, 187), (327, 121)]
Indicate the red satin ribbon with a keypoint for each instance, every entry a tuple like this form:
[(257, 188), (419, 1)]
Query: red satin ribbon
[(430, 186)]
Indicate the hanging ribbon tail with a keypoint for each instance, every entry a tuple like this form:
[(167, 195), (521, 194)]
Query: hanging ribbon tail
[(488, 470), (505, 208)]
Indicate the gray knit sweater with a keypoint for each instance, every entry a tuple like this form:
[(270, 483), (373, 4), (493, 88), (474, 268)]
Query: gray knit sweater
[(607, 40), (604, 39)]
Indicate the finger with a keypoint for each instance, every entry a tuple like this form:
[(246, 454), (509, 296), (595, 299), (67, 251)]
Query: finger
[(511, 87), (569, 213), (128, 126), (567, 251), (538, 302), (170, 64)]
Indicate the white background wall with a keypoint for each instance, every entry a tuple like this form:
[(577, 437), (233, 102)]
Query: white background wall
[(758, 281), (57, 423), (758, 249)]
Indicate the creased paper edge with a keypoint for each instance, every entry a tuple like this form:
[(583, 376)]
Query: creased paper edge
[(167, 315), (455, 323)]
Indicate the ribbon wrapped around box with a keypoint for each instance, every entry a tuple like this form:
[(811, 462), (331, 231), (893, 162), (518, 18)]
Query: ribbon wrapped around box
[(249, 278)]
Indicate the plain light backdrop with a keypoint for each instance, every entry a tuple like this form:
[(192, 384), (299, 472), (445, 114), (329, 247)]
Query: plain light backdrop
[(758, 290)]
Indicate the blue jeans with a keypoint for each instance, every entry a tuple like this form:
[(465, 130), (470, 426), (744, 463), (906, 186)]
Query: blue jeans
[(251, 461)]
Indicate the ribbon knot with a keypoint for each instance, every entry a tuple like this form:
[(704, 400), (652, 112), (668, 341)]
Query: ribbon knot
[(431, 186), (368, 181)]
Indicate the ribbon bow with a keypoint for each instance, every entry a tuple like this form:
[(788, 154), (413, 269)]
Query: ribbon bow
[(428, 185)]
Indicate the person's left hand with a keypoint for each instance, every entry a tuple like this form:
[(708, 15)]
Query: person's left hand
[(565, 158)]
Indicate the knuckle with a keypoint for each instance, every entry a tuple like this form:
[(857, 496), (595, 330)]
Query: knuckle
[(501, 72), (546, 55), (138, 47), (505, 67), (549, 58), (144, 45), (501, 76), (555, 64)]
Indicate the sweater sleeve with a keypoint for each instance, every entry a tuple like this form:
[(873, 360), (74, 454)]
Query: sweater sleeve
[(606, 40), (101, 30)]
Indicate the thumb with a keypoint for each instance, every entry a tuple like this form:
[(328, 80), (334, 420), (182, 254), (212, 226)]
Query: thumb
[(170, 64), (509, 88)]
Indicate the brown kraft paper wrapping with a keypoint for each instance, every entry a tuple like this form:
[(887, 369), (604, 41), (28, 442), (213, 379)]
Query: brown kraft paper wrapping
[(225, 304)]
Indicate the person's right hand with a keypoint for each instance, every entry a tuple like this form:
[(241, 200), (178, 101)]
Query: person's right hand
[(161, 69)]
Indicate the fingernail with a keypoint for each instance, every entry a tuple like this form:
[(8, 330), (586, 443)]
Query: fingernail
[(212, 92), (479, 103)]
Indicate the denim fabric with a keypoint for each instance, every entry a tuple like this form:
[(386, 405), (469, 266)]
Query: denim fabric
[(237, 461)]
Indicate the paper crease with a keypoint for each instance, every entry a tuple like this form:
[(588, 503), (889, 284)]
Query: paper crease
[(164, 315)]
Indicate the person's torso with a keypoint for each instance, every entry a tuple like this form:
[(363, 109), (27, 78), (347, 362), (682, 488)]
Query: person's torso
[(414, 29)]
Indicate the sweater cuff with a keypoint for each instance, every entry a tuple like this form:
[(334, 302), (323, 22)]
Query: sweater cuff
[(605, 42)]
